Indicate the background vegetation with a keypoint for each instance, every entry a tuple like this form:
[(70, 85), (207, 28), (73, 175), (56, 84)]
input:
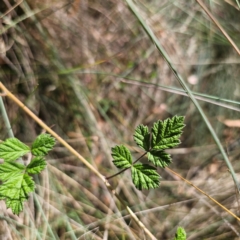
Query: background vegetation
[(89, 71)]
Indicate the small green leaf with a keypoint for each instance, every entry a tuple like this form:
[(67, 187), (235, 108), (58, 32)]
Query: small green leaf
[(42, 145), (12, 149), (142, 137), (145, 176), (10, 169), (180, 234), (166, 134), (159, 158), (122, 157), (15, 190), (36, 165)]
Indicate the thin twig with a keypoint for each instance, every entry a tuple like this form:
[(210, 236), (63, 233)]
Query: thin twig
[(9, 10), (201, 191), (218, 25)]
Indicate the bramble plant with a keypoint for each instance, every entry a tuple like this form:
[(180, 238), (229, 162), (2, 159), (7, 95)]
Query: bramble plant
[(17, 183), (180, 234), (164, 135), (16, 180)]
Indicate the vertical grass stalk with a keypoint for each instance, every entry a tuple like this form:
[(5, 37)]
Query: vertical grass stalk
[(5, 118)]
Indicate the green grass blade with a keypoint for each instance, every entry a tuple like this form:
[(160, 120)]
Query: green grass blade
[(200, 96), (5, 118), (238, 3)]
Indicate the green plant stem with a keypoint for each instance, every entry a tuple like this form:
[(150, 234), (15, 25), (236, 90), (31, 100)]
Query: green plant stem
[(184, 86), (140, 157), (123, 170)]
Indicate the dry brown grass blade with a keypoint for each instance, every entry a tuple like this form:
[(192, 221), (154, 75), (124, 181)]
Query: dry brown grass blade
[(14, 6), (201, 191), (231, 122), (7, 93), (218, 25)]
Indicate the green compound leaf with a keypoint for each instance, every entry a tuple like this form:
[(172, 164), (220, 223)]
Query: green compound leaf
[(12, 149), (166, 134), (36, 165), (42, 145), (122, 157), (10, 169), (15, 191), (142, 137), (159, 158), (180, 234), (145, 176)]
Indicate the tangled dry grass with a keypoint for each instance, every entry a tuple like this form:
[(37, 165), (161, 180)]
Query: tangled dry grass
[(89, 71)]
